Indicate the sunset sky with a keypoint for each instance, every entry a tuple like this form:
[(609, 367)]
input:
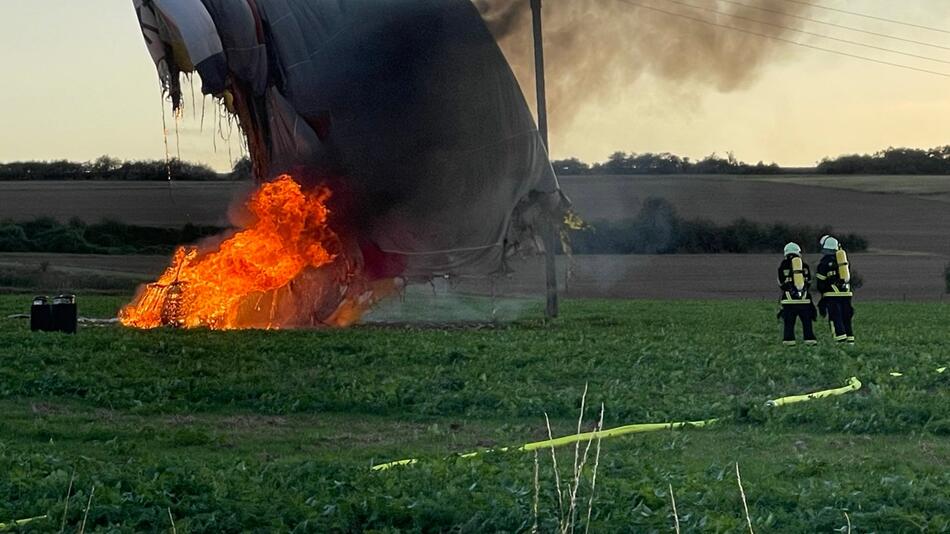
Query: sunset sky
[(78, 83)]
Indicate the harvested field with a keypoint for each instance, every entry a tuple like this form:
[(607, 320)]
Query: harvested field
[(664, 277), (928, 187), (143, 203), (132, 265), (910, 236), (892, 222), (720, 276), (898, 221)]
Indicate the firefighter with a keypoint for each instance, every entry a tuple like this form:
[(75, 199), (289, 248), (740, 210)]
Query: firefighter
[(794, 278), (834, 282)]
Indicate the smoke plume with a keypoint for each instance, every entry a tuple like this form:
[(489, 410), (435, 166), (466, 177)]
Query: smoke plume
[(595, 50)]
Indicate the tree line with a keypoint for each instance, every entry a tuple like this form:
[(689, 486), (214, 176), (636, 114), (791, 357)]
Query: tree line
[(887, 161), (933, 161), (663, 163), (108, 168), (658, 229), (105, 237), (891, 161)]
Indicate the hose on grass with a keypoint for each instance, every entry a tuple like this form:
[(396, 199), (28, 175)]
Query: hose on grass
[(568, 440), (853, 385), (20, 522)]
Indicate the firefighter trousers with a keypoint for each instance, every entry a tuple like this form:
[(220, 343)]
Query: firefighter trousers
[(840, 315), (791, 314)]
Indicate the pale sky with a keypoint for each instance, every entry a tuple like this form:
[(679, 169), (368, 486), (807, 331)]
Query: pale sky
[(78, 83)]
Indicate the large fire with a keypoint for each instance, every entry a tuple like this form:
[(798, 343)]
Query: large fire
[(288, 268)]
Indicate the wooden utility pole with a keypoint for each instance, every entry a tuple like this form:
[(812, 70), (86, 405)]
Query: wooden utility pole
[(549, 229), (539, 71)]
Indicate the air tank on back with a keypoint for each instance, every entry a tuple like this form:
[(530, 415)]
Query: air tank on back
[(798, 273)]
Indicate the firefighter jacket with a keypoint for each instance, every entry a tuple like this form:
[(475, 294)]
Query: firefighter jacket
[(829, 281), (790, 294)]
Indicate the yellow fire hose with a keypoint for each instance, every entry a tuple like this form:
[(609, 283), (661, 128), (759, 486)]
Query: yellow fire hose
[(20, 522), (573, 438), (853, 385), (612, 432)]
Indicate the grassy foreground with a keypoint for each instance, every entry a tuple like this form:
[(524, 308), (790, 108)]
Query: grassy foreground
[(276, 431)]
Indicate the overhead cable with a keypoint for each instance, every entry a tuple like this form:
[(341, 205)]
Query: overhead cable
[(834, 25), (806, 32), (866, 16), (787, 41)]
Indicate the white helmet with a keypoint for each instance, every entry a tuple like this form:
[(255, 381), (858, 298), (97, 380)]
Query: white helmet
[(793, 248), (829, 243), (821, 242)]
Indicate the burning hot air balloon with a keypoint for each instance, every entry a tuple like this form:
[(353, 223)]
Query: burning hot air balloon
[(391, 140)]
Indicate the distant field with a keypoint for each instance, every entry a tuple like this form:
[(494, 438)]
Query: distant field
[(275, 431), (902, 221), (929, 187), (892, 222), (143, 203), (909, 235), (699, 276), (51, 273)]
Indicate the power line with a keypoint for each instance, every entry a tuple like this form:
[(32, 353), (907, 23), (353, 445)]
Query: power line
[(834, 25), (806, 32), (864, 15), (788, 41)]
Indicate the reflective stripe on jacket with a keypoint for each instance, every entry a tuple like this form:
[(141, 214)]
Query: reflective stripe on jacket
[(790, 294)]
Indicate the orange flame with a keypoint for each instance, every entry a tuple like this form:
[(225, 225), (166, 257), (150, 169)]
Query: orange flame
[(287, 268)]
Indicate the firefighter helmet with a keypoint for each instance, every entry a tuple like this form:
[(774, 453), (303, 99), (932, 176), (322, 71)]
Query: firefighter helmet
[(829, 244), (794, 249)]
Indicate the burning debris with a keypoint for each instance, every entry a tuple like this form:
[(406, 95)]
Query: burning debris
[(273, 274)]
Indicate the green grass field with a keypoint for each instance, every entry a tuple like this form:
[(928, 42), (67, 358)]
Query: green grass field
[(276, 431)]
